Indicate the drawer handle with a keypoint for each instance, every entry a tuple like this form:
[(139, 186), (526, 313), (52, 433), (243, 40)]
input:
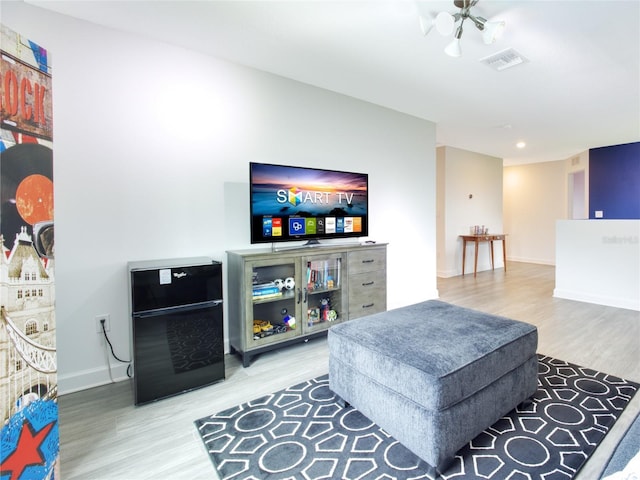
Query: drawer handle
[(366, 284), (368, 306), (368, 261)]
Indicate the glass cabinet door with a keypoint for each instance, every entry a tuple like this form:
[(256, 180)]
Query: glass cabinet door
[(274, 302), (324, 294)]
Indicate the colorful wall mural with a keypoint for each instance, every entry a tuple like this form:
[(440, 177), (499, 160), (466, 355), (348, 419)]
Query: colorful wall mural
[(29, 441)]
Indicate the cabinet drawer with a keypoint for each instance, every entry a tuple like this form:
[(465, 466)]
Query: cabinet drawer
[(367, 293), (367, 260), (367, 306)]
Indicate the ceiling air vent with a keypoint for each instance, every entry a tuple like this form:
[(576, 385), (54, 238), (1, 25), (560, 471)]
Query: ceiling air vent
[(504, 59)]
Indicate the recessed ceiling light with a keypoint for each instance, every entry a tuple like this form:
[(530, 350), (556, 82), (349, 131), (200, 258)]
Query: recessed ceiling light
[(521, 144)]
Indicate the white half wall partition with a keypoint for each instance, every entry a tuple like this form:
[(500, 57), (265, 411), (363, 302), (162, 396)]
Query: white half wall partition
[(598, 261)]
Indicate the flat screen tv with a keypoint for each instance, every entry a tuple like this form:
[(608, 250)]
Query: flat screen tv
[(298, 203)]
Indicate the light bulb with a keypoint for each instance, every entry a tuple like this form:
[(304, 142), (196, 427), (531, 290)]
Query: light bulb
[(426, 25), (492, 31), (453, 49)]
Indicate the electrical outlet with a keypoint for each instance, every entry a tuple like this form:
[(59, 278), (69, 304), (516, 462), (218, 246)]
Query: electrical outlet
[(107, 322)]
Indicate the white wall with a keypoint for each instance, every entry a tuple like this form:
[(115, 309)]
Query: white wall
[(461, 173), (597, 262), (152, 145), (535, 196)]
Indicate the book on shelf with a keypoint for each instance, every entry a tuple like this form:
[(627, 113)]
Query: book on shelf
[(264, 288), (323, 273), (265, 291), (261, 296)]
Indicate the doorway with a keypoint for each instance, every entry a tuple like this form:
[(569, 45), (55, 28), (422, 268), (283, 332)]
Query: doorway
[(577, 195)]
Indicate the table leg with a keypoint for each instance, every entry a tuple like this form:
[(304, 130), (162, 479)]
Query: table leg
[(475, 262), (504, 253), (491, 241), (464, 253)]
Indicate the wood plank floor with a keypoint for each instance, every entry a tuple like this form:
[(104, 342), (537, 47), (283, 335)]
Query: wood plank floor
[(104, 436)]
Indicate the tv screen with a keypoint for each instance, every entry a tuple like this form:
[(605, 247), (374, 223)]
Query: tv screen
[(298, 203)]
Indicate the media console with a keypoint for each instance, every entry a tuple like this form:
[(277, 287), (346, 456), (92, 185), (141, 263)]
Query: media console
[(280, 298)]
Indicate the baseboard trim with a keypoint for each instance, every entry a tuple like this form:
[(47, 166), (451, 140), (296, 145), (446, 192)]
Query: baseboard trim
[(531, 260), (91, 378), (598, 300), (447, 273), (454, 272)]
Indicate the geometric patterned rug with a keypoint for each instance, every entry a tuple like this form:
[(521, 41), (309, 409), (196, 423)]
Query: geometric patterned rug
[(302, 433)]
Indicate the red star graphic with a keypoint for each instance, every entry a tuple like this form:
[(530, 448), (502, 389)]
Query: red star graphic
[(27, 452)]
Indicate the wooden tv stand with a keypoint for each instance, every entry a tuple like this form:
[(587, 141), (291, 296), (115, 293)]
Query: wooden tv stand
[(333, 284)]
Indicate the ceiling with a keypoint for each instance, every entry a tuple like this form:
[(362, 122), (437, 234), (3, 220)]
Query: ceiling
[(579, 89)]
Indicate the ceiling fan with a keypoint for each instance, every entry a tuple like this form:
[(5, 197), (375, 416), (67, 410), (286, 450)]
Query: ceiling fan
[(446, 22)]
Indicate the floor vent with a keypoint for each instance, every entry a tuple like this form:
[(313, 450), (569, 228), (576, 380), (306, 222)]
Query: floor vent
[(504, 59)]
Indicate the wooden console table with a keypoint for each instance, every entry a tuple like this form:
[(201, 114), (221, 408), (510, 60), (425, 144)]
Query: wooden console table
[(476, 239)]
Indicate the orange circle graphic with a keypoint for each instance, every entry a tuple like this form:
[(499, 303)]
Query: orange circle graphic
[(34, 199)]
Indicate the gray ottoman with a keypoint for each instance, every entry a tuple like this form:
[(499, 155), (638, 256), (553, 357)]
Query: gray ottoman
[(433, 375)]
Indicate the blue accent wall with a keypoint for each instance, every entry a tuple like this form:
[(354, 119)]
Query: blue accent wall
[(614, 181)]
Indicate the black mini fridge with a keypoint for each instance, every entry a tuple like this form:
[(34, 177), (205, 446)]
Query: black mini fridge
[(177, 325)]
